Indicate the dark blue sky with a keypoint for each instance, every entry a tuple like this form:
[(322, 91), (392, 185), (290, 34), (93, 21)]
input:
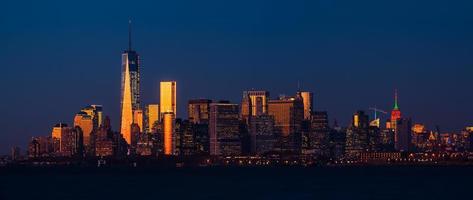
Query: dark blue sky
[(58, 56)]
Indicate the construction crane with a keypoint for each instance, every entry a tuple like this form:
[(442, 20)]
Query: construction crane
[(376, 110)]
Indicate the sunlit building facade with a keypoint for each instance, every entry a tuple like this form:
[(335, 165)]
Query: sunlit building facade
[(254, 103), (98, 111), (288, 114), (152, 116), (168, 97), (86, 123), (169, 135), (308, 101), (58, 129), (138, 118), (130, 90), (199, 111)]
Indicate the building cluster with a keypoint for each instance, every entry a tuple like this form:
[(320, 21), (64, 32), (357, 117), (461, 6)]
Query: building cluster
[(258, 126)]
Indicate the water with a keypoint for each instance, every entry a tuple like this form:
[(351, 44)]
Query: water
[(399, 182)]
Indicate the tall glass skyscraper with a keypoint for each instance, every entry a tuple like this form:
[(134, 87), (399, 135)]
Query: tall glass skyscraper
[(130, 89), (168, 97)]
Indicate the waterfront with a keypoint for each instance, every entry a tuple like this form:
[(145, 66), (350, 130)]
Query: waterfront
[(372, 182)]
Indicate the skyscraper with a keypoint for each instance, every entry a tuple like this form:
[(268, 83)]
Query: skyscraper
[(199, 111), (57, 130), (357, 137), (308, 101), (319, 134), (130, 88), (169, 136), (168, 97), (403, 135), (86, 124), (152, 116), (254, 103), (262, 134), (288, 114), (395, 113), (138, 118), (224, 129), (99, 114)]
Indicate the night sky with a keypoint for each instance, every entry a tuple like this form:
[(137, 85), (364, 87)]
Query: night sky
[(59, 56)]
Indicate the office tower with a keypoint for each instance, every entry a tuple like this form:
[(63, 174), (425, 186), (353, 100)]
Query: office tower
[(57, 130), (262, 134), (41, 147), (201, 138), (145, 145), (105, 144), (254, 103), (169, 136), (224, 128), (152, 116), (72, 142), (186, 143), (395, 113), (420, 136), (98, 114), (86, 123), (386, 140), (95, 113), (130, 89), (199, 111), (168, 97), (308, 101), (135, 133), (357, 139), (337, 142), (374, 139), (402, 136), (319, 134), (138, 118), (288, 114)]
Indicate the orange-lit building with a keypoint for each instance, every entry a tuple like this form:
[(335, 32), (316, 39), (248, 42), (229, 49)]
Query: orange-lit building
[(308, 101), (59, 137), (199, 111), (169, 136), (86, 123), (98, 111), (254, 103), (168, 97), (138, 118), (57, 130), (288, 114), (130, 90), (152, 116)]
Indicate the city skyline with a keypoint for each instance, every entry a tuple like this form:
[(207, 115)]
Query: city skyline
[(423, 102)]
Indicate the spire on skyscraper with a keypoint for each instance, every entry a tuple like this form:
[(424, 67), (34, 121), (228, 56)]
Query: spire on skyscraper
[(396, 106), (129, 35)]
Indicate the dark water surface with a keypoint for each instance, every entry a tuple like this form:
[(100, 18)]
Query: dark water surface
[(400, 182)]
